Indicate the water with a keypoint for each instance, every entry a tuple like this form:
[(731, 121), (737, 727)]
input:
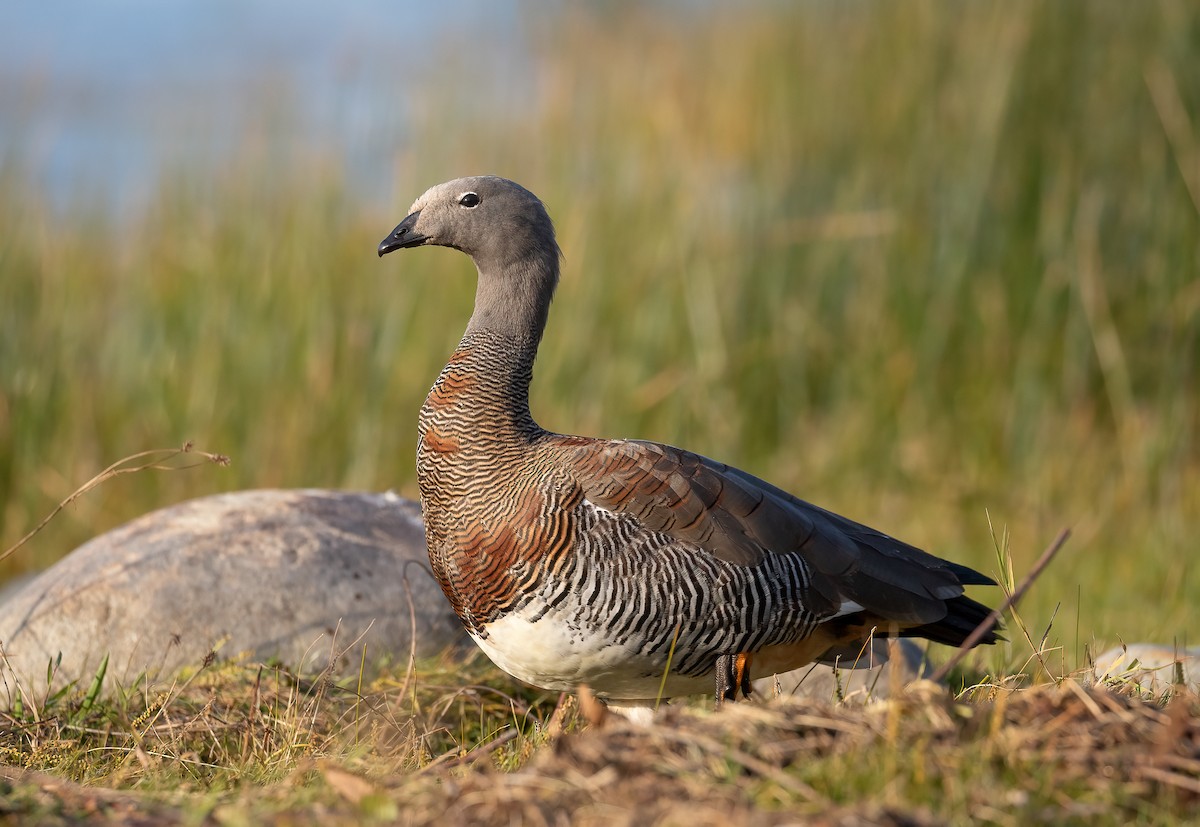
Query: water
[(95, 98)]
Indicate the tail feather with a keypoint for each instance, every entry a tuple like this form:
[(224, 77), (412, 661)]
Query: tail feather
[(963, 616)]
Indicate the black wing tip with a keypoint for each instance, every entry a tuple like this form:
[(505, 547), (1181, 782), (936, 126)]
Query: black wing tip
[(969, 576), (963, 616)]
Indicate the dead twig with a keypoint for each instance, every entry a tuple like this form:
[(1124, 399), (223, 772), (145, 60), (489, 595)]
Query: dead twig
[(142, 461), (449, 759)]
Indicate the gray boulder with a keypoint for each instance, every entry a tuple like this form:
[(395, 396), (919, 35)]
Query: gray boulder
[(1152, 667), (309, 577), (899, 662)]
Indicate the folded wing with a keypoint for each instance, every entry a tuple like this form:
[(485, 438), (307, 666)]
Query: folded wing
[(739, 518)]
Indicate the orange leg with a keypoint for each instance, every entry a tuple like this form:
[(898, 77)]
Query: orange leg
[(741, 673), (733, 675)]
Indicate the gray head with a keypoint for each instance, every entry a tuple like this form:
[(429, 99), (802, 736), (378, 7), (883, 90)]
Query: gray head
[(506, 230), (493, 220)]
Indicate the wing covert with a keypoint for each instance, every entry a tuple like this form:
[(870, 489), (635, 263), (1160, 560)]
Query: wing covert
[(739, 519)]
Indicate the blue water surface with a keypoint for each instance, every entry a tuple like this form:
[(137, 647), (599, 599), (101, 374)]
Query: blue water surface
[(96, 98)]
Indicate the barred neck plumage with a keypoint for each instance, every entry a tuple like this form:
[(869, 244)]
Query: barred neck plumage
[(497, 352), (487, 379)]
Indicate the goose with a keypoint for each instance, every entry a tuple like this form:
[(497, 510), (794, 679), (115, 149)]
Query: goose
[(640, 570)]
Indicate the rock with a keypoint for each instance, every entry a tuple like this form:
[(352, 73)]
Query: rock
[(292, 575), (1151, 666), (14, 585), (907, 663)]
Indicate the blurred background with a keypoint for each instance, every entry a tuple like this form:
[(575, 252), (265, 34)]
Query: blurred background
[(931, 265)]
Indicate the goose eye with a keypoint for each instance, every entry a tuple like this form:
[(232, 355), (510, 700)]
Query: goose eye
[(468, 200)]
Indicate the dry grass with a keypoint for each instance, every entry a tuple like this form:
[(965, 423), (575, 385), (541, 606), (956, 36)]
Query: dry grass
[(245, 744)]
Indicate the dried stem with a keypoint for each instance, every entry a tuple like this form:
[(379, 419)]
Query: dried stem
[(143, 461)]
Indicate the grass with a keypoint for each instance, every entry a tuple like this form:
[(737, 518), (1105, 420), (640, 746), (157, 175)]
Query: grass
[(232, 727), (932, 266), (238, 742)]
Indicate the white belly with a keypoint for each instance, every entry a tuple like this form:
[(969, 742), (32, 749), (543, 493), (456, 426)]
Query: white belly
[(555, 654)]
